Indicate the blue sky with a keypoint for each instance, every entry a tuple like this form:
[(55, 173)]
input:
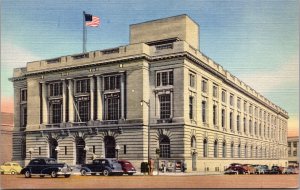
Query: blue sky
[(257, 41)]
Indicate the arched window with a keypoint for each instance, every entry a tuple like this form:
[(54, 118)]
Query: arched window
[(216, 148), (164, 146), (224, 149), (205, 151), (232, 150)]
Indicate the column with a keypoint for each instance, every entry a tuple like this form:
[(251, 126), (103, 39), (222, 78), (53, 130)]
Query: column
[(122, 96), (99, 100), (71, 100), (92, 87), (64, 100), (45, 103)]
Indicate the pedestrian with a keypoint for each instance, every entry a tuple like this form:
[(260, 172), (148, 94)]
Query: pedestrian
[(151, 166)]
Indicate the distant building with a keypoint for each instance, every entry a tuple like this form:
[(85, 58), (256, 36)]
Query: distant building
[(76, 106), (293, 151), (6, 131)]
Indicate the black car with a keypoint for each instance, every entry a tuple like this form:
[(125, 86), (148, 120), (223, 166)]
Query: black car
[(46, 166), (275, 170), (105, 167)]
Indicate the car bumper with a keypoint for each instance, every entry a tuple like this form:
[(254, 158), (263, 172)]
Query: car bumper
[(64, 173)]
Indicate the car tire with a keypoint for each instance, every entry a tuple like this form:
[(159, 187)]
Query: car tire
[(106, 172), (53, 174), (13, 172), (27, 174), (83, 172), (67, 175)]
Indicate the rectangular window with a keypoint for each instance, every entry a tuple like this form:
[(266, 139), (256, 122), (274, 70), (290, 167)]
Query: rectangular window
[(204, 111), (239, 103), (245, 106), (164, 78), (238, 122), (204, 85), (224, 96), (165, 106), (83, 86), (66, 150), (94, 149), (125, 149), (250, 109), (231, 100), (55, 89), (164, 150), (56, 109), (215, 91), (83, 108), (23, 115), (40, 150), (223, 118), (23, 95), (295, 144), (112, 82), (192, 80), (112, 106), (231, 121), (215, 115), (191, 107), (245, 125), (294, 153)]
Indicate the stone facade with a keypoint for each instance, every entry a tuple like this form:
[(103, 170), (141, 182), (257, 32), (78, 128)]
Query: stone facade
[(293, 153), (86, 104)]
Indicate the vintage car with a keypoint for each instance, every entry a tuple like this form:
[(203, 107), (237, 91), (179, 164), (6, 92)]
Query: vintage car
[(261, 169), (10, 168), (46, 166), (250, 169), (127, 167), (237, 169), (105, 167), (276, 170)]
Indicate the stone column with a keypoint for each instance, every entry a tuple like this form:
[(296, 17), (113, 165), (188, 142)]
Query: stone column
[(71, 101), (122, 96), (45, 103), (64, 100), (99, 100), (92, 86)]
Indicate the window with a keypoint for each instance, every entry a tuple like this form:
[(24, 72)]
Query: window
[(191, 107), (250, 109), (164, 78), (260, 129), (295, 144), (23, 95), (245, 125), (238, 122), (112, 106), (246, 151), (83, 108), (245, 106), (216, 149), (23, 149), (215, 91), (231, 121), (40, 150), (239, 150), (56, 111), (239, 103), (164, 146), (204, 85), (83, 86), (204, 111), (192, 80), (255, 127), (231, 100), (224, 149), (112, 82), (125, 149), (289, 153), (94, 149), (23, 115), (66, 150), (215, 114), (55, 89), (232, 150), (224, 96), (251, 151), (250, 126), (205, 148), (223, 118), (165, 106)]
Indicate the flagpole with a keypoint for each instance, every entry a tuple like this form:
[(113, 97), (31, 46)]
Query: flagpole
[(83, 34)]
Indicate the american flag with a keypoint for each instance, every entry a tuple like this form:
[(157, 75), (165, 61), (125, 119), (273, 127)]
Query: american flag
[(92, 21)]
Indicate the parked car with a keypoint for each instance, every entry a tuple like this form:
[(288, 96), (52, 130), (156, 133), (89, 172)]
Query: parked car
[(10, 168), (261, 169), (276, 170), (250, 169), (46, 166), (105, 167), (289, 170), (127, 167), (235, 170)]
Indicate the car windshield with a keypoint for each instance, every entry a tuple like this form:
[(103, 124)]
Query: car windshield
[(51, 161)]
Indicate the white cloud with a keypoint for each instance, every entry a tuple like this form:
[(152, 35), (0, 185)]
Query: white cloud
[(13, 56)]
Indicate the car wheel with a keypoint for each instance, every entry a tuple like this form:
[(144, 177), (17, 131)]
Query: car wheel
[(53, 174), (13, 172), (67, 175), (106, 172), (83, 172), (27, 174)]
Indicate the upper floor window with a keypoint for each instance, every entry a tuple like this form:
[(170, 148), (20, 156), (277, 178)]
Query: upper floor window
[(295, 144), (165, 106), (83, 86), (239, 103), (164, 78), (112, 82), (215, 114), (55, 89), (192, 80), (250, 109), (23, 95), (231, 100), (204, 111), (215, 91), (238, 122), (245, 106), (204, 85), (231, 120), (223, 118), (224, 96), (191, 107)]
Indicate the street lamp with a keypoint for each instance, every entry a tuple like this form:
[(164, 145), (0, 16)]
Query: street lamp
[(30, 150), (117, 150), (148, 104)]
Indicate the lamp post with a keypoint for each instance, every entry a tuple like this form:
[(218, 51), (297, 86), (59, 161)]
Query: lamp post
[(148, 104), (30, 150), (117, 150)]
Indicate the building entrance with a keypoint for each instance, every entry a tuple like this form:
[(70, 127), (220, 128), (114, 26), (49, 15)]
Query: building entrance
[(52, 146), (110, 144), (80, 152)]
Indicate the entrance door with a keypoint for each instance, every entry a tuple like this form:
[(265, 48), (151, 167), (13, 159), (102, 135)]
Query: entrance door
[(110, 144), (194, 162), (80, 152), (52, 146)]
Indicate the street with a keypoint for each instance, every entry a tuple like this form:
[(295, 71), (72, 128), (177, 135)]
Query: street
[(98, 182)]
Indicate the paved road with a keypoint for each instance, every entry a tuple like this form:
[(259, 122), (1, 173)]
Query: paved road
[(97, 182)]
